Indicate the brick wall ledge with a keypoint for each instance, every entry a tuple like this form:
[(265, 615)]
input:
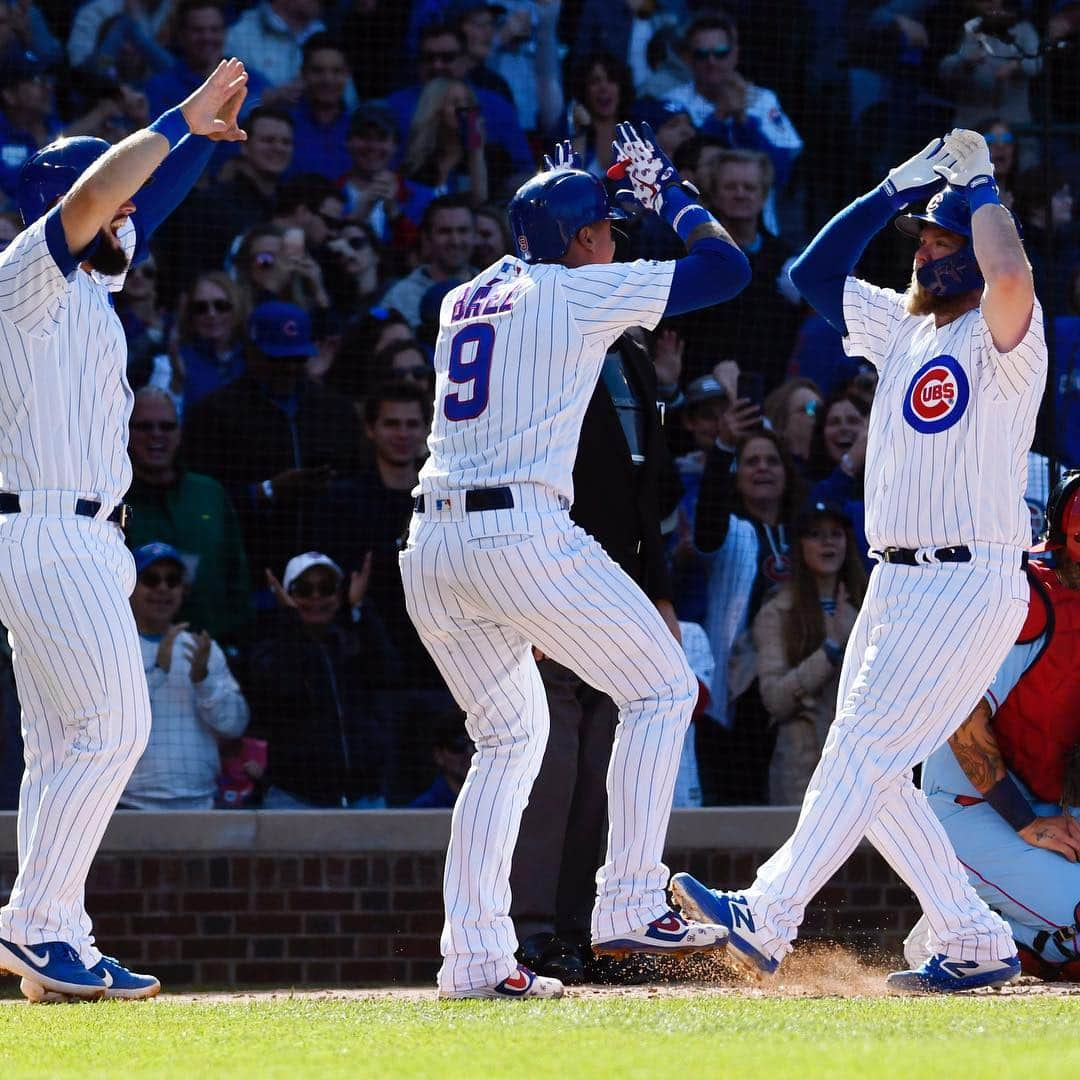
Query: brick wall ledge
[(730, 828)]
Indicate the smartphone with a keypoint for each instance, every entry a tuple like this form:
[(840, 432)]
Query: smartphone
[(292, 243), (751, 386)]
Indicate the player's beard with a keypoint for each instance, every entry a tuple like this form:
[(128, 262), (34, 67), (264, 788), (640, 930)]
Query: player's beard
[(918, 300), (109, 257)]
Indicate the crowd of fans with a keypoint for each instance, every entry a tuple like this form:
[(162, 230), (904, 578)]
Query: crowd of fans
[(280, 338)]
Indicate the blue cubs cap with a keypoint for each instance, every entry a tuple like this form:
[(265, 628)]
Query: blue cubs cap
[(157, 551), (814, 509), (656, 112), (281, 330)]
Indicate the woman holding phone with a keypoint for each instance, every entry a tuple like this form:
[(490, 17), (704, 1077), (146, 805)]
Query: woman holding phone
[(447, 148)]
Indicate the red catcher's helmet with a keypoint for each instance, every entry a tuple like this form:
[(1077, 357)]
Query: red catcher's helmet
[(1062, 528)]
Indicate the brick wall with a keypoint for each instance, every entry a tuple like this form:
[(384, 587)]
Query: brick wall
[(218, 919)]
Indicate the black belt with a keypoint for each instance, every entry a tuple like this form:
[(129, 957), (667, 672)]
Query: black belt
[(500, 498), (909, 556), (9, 504)]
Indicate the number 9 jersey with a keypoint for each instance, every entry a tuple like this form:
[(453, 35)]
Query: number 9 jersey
[(519, 351)]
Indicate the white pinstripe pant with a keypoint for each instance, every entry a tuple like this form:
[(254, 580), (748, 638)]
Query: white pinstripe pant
[(926, 645), (482, 589), (64, 588)]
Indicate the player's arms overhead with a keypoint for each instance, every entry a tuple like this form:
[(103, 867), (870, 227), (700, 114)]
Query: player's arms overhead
[(715, 269), (1009, 296), (820, 271), (109, 184)]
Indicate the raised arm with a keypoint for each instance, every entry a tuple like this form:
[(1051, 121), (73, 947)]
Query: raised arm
[(820, 271), (1009, 297), (111, 182)]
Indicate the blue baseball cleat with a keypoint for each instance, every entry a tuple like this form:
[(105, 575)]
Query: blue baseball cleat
[(940, 975), (53, 965), (119, 983), (730, 910), (669, 935)]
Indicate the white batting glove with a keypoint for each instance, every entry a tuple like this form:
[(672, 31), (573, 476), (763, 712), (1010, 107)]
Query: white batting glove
[(917, 179), (566, 157), (970, 158), (640, 160)]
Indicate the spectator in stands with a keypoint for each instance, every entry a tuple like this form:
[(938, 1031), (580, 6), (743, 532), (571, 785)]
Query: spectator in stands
[(24, 26), (1043, 196), (193, 513), (622, 28), (451, 751), (144, 319), (800, 636), (274, 437), (272, 263), (374, 193), (270, 37), (352, 267), (199, 41), (312, 203), (90, 18), (195, 702), (445, 151), (722, 102), (492, 234), (27, 119), (320, 116), (838, 458), (407, 361), (211, 323), (447, 234), (369, 512), (995, 60), (603, 93), (442, 55), (791, 410), (743, 520), (737, 187), (213, 217), (669, 120), (364, 337), (125, 52), (313, 689), (478, 21)]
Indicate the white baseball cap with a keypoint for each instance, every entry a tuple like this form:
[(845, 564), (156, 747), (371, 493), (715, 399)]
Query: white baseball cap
[(300, 564)]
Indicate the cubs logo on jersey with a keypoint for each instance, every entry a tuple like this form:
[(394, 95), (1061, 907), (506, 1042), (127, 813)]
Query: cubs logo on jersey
[(937, 396)]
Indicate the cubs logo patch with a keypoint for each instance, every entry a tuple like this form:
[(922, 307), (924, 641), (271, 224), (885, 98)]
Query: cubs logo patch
[(937, 396)]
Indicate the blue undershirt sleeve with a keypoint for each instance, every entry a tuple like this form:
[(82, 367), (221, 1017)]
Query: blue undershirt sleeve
[(820, 271), (172, 181)]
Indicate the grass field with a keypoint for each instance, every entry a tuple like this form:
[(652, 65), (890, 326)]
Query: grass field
[(636, 1034)]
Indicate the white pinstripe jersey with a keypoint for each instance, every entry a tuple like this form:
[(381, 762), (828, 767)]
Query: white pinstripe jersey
[(519, 351), (953, 418), (64, 395)]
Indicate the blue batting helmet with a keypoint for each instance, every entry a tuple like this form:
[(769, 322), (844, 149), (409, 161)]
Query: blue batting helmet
[(548, 210), (948, 209), (52, 172), (959, 271)]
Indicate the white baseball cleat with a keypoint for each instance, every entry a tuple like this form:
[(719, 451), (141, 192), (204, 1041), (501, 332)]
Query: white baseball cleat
[(669, 935), (517, 987)]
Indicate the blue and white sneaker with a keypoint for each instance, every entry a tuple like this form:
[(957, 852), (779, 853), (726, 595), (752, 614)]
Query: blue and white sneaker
[(522, 984), (119, 983), (730, 910), (54, 965), (940, 975), (669, 935)]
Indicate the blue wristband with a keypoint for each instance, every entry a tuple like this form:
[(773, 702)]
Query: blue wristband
[(172, 125), (683, 212), (982, 191), (1008, 800)]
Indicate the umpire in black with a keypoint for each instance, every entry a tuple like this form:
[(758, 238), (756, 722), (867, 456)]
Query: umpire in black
[(625, 484)]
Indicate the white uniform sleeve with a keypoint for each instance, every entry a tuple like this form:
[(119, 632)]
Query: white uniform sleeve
[(1018, 660), (871, 315), (607, 299), (1019, 368), (33, 286)]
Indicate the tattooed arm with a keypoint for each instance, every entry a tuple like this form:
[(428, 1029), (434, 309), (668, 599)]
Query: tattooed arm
[(977, 751)]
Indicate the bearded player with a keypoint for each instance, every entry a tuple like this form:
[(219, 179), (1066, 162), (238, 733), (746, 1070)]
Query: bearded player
[(962, 362)]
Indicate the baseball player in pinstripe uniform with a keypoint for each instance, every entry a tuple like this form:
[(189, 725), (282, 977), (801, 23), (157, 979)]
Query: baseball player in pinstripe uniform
[(962, 363), (494, 565), (65, 575)]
